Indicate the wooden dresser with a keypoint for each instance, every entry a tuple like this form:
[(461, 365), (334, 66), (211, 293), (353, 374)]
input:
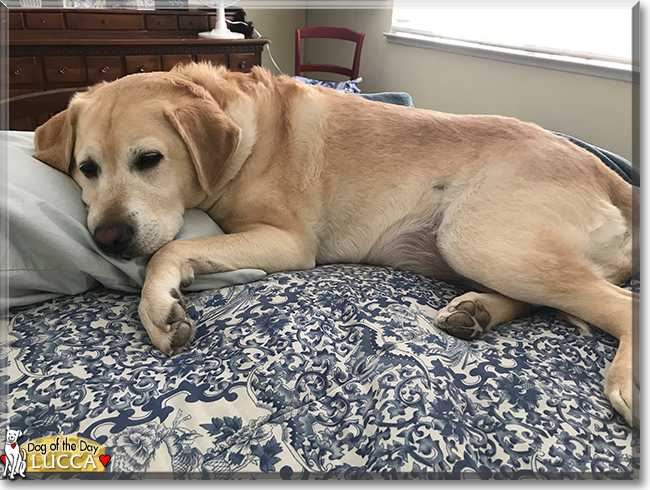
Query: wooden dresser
[(61, 48)]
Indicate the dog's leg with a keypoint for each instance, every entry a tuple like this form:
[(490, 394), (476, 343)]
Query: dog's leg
[(547, 269), (162, 309), (472, 314), (604, 305), (610, 308)]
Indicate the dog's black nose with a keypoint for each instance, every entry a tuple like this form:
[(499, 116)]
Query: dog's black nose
[(114, 238)]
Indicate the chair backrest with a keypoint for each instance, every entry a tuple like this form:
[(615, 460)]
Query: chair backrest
[(330, 32), (27, 112)]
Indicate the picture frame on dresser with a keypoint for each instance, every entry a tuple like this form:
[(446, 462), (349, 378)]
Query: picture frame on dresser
[(79, 4), (172, 4), (85, 4)]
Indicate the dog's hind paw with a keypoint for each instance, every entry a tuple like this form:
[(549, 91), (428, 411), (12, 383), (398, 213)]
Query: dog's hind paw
[(621, 400), (166, 320), (622, 390), (464, 318)]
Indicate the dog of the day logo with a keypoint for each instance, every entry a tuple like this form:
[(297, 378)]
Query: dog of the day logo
[(14, 456), (56, 454)]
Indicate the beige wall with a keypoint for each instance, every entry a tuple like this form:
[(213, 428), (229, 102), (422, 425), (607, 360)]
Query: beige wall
[(278, 25), (594, 109)]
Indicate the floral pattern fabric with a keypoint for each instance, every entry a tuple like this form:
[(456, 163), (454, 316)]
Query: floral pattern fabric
[(335, 372)]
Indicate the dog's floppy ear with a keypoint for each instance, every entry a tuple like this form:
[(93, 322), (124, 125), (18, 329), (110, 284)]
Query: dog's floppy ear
[(211, 138), (54, 140)]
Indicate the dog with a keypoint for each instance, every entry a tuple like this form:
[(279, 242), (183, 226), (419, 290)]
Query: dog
[(15, 463), (298, 175)]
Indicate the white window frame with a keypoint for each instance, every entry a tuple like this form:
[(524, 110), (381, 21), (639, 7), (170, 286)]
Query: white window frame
[(549, 60)]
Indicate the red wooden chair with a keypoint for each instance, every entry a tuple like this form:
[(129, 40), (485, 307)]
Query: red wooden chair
[(330, 32)]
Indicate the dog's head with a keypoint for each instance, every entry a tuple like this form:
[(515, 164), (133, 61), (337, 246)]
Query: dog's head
[(143, 149), (13, 435)]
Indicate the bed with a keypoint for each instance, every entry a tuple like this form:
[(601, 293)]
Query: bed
[(333, 373)]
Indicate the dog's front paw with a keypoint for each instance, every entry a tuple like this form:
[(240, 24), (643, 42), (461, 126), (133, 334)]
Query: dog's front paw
[(165, 318), (466, 319)]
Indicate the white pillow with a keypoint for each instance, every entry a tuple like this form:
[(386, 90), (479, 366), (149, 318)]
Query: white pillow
[(50, 252)]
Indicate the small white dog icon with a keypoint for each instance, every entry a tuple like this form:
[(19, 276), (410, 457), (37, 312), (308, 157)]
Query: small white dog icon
[(14, 463)]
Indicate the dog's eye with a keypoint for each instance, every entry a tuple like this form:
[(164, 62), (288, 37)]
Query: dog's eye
[(148, 160), (89, 169)]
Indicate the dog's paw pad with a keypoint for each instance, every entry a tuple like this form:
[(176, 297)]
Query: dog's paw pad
[(177, 313), (476, 310), (466, 320), (173, 333), (182, 335), (181, 327)]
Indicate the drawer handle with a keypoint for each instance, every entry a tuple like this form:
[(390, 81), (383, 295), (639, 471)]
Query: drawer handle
[(18, 71), (105, 22), (43, 21), (63, 69), (161, 22), (143, 68), (243, 64), (105, 69)]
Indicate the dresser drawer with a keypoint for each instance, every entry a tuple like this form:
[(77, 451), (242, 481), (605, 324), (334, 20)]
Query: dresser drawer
[(160, 22), (241, 61), (104, 21), (16, 20), (64, 69), (100, 68), (45, 20), (24, 70), (169, 60), (142, 64), (192, 22)]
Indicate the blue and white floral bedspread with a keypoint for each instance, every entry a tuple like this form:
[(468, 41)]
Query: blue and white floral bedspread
[(336, 372)]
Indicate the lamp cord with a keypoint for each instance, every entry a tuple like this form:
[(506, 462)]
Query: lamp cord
[(266, 45)]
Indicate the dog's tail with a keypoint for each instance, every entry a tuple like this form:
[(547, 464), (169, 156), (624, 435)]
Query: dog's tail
[(24, 453), (583, 326), (626, 198)]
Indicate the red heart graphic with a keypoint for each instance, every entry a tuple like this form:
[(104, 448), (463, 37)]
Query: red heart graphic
[(13, 445), (4, 459), (104, 458)]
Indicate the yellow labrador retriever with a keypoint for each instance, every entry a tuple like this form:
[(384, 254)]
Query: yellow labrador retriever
[(300, 175)]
